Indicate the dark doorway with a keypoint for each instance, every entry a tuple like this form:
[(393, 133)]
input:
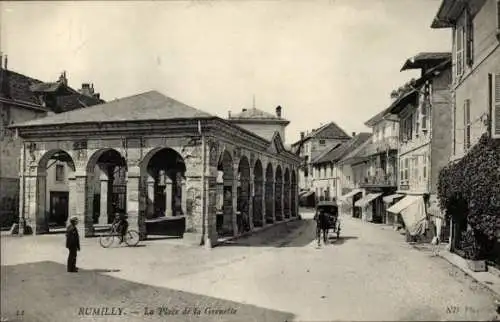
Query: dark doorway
[(58, 208)]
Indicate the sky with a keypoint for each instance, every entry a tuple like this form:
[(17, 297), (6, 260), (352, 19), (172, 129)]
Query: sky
[(322, 61)]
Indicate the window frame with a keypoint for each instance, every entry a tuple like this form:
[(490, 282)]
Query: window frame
[(467, 125), (59, 173)]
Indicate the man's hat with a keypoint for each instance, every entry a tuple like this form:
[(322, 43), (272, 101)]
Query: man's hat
[(73, 219)]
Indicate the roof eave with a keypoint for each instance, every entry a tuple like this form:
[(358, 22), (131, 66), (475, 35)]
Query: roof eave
[(447, 14)]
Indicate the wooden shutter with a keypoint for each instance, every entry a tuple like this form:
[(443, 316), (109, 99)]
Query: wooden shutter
[(459, 49), (466, 124), (498, 19), (495, 106), (469, 32)]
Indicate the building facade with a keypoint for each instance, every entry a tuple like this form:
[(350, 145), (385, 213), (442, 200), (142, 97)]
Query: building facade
[(23, 98), (475, 81), (378, 164), (169, 156), (313, 144), (424, 111), (475, 88), (326, 171)]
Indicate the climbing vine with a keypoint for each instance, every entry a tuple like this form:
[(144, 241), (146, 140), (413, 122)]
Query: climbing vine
[(470, 189)]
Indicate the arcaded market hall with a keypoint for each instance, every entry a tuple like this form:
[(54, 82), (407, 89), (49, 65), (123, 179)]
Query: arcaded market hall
[(159, 160)]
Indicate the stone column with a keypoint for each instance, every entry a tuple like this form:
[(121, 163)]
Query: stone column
[(103, 216), (168, 197), (250, 197), (81, 194), (210, 217), (72, 197), (136, 221), (150, 197), (264, 198), (183, 197), (235, 199), (273, 207), (30, 202)]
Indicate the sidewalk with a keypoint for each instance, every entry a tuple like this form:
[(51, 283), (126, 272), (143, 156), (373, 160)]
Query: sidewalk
[(489, 279)]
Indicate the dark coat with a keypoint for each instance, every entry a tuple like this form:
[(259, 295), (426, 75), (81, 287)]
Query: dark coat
[(72, 238)]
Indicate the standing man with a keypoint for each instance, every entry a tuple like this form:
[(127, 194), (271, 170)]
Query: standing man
[(72, 244)]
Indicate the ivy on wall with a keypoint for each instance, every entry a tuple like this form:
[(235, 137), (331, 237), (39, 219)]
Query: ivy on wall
[(470, 189)]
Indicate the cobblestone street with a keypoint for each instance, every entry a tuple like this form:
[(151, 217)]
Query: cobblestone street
[(369, 274)]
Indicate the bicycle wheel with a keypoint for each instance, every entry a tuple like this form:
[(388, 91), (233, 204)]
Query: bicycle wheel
[(106, 241), (132, 238)]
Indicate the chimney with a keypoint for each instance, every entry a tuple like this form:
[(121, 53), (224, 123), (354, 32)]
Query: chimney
[(278, 111), (228, 114), (302, 135), (243, 109), (63, 78), (353, 134), (6, 61), (87, 89), (394, 94)]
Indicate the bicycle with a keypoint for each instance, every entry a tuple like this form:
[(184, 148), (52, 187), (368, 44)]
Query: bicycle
[(131, 237)]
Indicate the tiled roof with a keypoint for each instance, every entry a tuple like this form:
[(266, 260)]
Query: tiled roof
[(150, 105), (17, 87), (25, 89), (328, 131), (338, 152), (356, 154), (419, 60)]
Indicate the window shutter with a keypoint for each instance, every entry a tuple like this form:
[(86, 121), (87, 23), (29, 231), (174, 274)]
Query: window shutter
[(495, 102), (470, 38), (498, 19)]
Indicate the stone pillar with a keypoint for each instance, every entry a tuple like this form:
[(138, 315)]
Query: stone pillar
[(103, 216), (250, 198), (150, 197), (30, 202), (235, 199), (81, 194), (210, 217), (263, 201), (273, 198), (183, 197), (72, 197), (168, 197), (135, 218)]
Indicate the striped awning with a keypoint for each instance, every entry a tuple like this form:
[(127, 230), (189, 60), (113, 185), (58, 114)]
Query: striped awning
[(403, 204), (390, 198), (367, 199)]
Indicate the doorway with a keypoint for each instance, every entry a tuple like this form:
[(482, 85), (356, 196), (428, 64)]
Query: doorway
[(58, 208)]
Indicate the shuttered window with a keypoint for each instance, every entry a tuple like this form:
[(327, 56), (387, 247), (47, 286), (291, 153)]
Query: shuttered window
[(469, 25), (467, 124), (495, 105), (459, 51), (454, 127)]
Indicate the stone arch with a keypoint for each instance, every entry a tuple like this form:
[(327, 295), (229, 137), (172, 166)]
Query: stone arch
[(269, 194), (106, 187), (49, 212), (225, 191), (286, 194), (243, 194), (295, 194), (278, 193), (258, 194), (163, 185)]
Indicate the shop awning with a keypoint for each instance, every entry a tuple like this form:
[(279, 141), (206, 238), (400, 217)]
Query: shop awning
[(389, 199), (350, 194), (412, 210), (367, 199)]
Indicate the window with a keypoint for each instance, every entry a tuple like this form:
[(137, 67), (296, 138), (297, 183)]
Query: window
[(331, 170), (60, 173), (406, 167), (467, 124), (494, 103), (321, 142), (454, 120), (469, 38), (424, 167), (459, 50)]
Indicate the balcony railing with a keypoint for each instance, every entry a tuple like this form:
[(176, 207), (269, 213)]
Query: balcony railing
[(382, 180), (382, 146)]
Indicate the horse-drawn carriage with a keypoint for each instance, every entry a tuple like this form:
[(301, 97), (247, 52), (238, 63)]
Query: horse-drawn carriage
[(331, 210)]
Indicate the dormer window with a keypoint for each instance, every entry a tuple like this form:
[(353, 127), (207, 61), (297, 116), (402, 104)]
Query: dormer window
[(322, 142)]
